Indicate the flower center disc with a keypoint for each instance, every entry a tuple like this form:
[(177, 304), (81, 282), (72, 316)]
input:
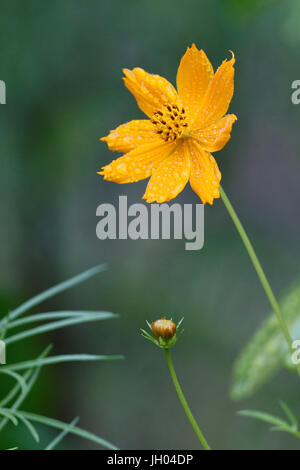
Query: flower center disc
[(170, 122)]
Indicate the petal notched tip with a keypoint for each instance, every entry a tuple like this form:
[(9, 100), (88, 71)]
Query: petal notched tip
[(129, 77), (132, 74), (210, 200), (232, 57), (194, 48), (149, 199), (228, 64), (158, 199), (230, 61), (128, 72)]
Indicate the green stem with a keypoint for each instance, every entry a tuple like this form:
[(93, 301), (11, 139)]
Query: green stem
[(184, 402), (260, 272)]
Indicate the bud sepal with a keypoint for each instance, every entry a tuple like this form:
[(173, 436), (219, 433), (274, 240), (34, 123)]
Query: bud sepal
[(166, 332)]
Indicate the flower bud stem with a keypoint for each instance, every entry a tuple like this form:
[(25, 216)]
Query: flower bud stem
[(259, 270), (184, 402)]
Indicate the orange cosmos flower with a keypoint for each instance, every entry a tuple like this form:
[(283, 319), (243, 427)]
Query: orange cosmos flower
[(174, 146)]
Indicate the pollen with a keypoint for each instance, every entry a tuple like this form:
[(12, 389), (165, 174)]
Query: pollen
[(170, 122)]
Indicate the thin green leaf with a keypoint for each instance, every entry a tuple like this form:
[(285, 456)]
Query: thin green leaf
[(9, 416), (266, 417), (69, 428), (12, 393), (10, 396), (286, 428), (53, 291), (29, 426), (5, 327), (277, 423), (54, 443), (33, 375), (16, 376), (37, 317), (59, 324), (290, 415), (59, 359), (267, 351)]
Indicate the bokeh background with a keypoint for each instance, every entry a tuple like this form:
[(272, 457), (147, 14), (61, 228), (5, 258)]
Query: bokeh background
[(62, 64)]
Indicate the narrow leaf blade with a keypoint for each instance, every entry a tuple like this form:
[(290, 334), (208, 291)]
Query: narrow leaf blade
[(267, 351), (57, 289)]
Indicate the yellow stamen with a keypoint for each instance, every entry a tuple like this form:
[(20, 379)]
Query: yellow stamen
[(170, 122)]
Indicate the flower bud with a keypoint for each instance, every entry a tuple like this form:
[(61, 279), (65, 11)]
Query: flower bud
[(163, 328)]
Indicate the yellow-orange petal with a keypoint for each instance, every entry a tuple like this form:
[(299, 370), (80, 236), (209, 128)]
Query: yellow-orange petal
[(170, 177), (150, 91), (218, 96), (194, 74), (137, 164), (130, 135), (205, 175), (216, 136)]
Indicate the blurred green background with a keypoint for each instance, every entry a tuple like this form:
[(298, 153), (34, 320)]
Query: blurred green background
[(62, 63)]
